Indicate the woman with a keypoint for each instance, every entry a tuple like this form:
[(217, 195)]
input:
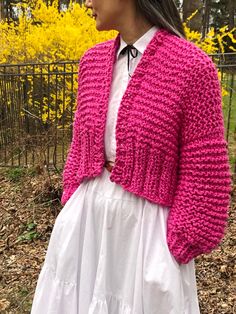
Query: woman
[(146, 181)]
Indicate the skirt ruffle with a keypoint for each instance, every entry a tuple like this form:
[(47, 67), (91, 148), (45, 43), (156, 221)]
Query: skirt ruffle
[(108, 255)]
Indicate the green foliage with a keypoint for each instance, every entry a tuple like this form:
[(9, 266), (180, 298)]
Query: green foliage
[(29, 234), (23, 292), (15, 174)]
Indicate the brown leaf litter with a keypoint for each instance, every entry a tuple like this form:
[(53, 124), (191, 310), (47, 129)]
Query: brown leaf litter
[(29, 205)]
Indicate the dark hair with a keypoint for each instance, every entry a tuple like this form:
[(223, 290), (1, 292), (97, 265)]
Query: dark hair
[(163, 14)]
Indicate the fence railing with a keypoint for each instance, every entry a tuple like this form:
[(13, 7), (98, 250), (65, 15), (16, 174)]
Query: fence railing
[(226, 64), (37, 103)]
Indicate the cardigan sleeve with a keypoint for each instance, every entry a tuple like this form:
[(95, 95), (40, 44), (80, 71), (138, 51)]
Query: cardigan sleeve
[(198, 215), (70, 182)]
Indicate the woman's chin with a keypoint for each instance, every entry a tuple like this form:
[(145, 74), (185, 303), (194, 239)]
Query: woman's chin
[(102, 27), (98, 27)]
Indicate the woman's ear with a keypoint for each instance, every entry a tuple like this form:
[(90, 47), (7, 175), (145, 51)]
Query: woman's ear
[(88, 3)]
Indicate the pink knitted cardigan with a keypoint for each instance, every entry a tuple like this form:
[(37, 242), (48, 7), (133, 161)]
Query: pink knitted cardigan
[(170, 137)]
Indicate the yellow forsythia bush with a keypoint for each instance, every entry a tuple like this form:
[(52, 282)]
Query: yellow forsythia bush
[(212, 40), (43, 34), (48, 35)]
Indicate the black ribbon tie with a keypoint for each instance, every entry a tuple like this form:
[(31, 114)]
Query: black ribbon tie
[(131, 51)]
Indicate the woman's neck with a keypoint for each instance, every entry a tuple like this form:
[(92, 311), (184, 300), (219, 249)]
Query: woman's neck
[(132, 27)]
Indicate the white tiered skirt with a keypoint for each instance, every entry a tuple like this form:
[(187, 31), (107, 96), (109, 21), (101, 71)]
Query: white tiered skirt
[(108, 255)]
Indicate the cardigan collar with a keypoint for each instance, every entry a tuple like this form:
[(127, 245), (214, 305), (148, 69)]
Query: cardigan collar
[(152, 48)]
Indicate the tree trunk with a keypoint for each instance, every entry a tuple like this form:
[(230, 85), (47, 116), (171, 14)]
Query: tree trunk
[(1, 11), (189, 7), (206, 17), (231, 8)]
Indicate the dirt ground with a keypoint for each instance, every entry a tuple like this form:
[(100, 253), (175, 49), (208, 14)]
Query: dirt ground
[(29, 204)]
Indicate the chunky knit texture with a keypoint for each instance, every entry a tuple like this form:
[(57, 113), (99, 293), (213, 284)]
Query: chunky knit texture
[(171, 148)]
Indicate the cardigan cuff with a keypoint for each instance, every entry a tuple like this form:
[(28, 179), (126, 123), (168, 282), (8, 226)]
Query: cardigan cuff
[(182, 250)]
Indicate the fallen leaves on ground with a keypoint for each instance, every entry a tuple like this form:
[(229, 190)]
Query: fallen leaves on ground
[(28, 209)]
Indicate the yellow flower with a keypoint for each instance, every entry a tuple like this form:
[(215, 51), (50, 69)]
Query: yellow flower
[(52, 36)]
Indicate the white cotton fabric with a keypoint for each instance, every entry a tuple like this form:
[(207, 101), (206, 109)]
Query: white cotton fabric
[(108, 255), (108, 252)]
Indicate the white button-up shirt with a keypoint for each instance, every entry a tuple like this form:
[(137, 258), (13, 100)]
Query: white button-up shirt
[(121, 78)]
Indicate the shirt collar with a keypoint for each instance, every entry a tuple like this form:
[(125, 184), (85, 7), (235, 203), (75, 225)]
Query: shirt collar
[(141, 43)]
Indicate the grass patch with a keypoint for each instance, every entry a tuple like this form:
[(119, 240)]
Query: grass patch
[(15, 174), (29, 234)]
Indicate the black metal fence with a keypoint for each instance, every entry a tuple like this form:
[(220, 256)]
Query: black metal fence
[(226, 64), (37, 103)]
